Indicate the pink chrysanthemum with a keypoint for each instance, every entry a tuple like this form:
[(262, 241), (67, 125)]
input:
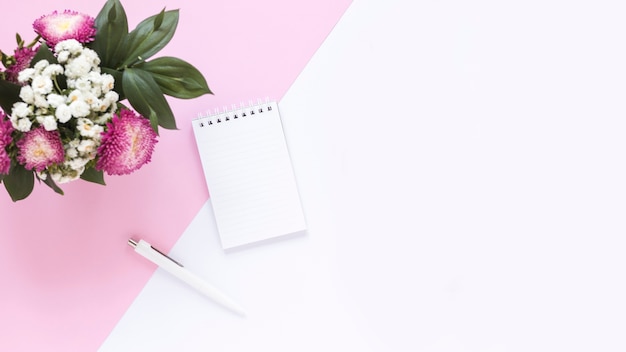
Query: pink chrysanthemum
[(127, 144), (57, 27), (39, 149), (23, 57), (5, 139)]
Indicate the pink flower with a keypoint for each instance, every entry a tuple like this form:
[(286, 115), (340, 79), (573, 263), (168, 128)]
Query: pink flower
[(39, 149), (5, 139), (57, 27), (127, 144), (23, 57)]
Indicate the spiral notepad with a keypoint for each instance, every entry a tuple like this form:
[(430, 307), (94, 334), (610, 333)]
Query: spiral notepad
[(249, 174)]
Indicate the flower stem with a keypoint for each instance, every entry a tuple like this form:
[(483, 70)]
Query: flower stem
[(56, 85), (35, 41)]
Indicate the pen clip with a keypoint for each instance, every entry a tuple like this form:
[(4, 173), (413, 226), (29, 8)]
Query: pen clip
[(167, 256)]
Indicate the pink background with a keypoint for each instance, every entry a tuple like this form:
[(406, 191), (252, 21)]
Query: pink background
[(67, 273)]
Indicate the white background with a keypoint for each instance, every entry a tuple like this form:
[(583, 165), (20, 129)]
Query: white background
[(461, 168)]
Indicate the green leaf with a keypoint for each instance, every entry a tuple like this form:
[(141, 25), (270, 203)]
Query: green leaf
[(147, 39), (118, 87), (158, 20), (111, 32), (177, 78), (19, 40), (9, 95), (50, 183), (43, 53), (92, 175), (19, 182), (145, 96)]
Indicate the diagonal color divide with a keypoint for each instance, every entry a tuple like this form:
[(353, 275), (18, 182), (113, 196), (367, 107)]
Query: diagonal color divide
[(68, 275)]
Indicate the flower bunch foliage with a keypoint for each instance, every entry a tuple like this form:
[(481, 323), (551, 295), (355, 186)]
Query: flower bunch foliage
[(61, 96)]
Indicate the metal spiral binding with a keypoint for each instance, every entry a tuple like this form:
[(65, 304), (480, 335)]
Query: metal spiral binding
[(234, 113)]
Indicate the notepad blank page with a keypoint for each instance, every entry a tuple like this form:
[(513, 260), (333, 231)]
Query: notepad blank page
[(250, 178)]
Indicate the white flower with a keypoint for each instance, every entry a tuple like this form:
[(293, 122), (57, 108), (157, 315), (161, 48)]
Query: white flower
[(71, 45), (91, 57), (74, 143), (83, 84), (103, 119), (63, 56), (60, 178), (74, 96), (79, 108), (53, 70), (63, 113), (86, 127), (40, 65), (70, 148), (55, 100), (27, 95), (88, 147), (90, 98), (77, 67), (26, 75), (111, 98), (21, 109), (107, 83), (78, 164), (99, 106), (42, 175), (42, 84), (23, 125), (48, 122), (71, 152), (41, 101)]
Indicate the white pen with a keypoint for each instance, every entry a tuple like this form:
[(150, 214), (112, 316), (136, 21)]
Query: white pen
[(175, 268)]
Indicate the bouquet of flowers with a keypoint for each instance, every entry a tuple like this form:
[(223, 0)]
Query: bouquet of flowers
[(62, 94)]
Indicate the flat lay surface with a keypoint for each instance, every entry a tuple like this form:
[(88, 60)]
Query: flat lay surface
[(68, 273), (459, 167)]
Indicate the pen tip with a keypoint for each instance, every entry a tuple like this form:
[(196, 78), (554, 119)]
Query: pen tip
[(132, 243)]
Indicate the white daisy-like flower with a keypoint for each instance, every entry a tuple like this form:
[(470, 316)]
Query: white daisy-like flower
[(90, 98), (21, 109), (70, 148), (86, 127), (111, 98), (27, 95), (79, 108), (63, 56), (41, 65), (52, 70), (83, 84), (63, 113), (23, 125), (91, 57), (41, 84), (107, 83), (48, 122), (88, 147), (74, 96), (60, 178), (55, 100), (42, 175), (78, 164), (41, 102), (25, 75), (99, 106), (103, 119), (73, 46), (71, 153), (77, 67)]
